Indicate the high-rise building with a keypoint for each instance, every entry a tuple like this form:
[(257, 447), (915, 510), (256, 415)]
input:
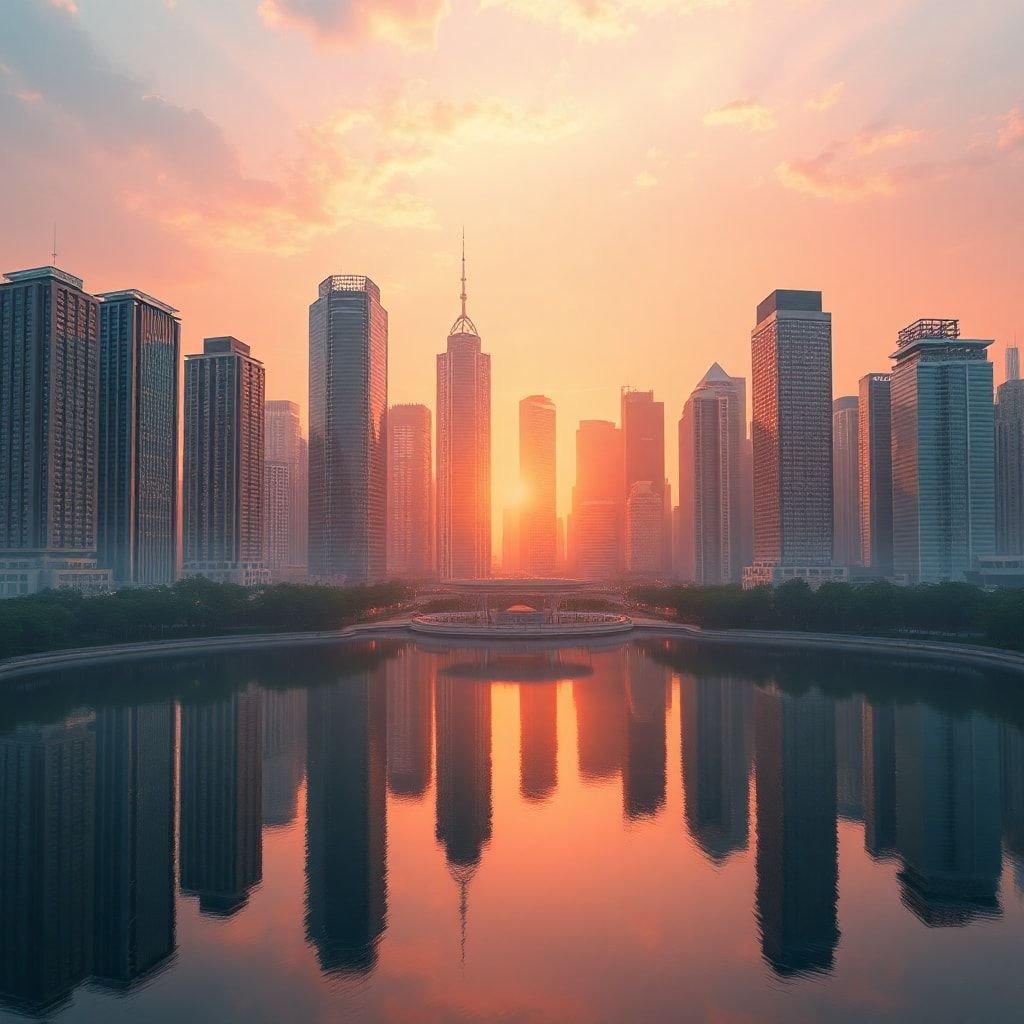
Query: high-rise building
[(287, 488), (598, 501), (537, 516), (137, 509), (874, 426), (791, 349), (943, 465), (643, 452), (410, 492), (49, 421), (224, 450), (348, 402), (464, 452), (712, 432), (1010, 468), (1012, 363), (645, 523), (846, 481)]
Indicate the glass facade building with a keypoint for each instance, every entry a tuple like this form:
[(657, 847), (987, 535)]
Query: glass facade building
[(874, 428), (410, 492), (287, 488), (464, 454), (643, 452), (538, 543), (712, 435), (137, 507), (845, 481), (943, 459), (1010, 468), (791, 350), (348, 401), (224, 464)]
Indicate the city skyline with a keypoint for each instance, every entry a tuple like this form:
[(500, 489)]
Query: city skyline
[(723, 152)]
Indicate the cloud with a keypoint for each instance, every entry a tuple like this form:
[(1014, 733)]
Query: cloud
[(823, 178), (1011, 134), (604, 19), (828, 99), (649, 174), (744, 113), (175, 167), (891, 137), (410, 23)]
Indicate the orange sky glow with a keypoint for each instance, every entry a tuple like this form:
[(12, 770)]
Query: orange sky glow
[(633, 177)]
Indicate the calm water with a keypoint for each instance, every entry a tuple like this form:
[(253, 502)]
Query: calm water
[(398, 832)]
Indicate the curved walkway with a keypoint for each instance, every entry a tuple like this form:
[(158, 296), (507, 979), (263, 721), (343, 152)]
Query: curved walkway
[(50, 660), (933, 650)]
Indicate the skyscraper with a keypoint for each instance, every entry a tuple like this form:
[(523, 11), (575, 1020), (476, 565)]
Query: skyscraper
[(464, 452), (791, 349), (598, 501), (287, 515), (643, 449), (537, 516), (137, 513), (348, 402), (846, 481), (712, 432), (645, 524), (48, 432), (1010, 468), (410, 492), (874, 426), (943, 465), (1012, 363), (224, 449)]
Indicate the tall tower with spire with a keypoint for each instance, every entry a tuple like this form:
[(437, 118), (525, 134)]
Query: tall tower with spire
[(464, 450)]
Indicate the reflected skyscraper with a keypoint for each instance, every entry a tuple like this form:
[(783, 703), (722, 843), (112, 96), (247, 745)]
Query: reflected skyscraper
[(797, 869), (134, 865), (717, 736), (538, 739), (220, 845), (948, 814), (600, 717), (880, 780), (284, 753), (348, 402), (346, 823), (463, 724), (643, 775), (1011, 748), (850, 757), (464, 451), (410, 682), (47, 857)]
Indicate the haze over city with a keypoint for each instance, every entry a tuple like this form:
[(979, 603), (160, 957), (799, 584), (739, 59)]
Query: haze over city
[(633, 176)]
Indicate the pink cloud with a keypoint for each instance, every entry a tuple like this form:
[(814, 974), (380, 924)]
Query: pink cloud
[(410, 23), (1011, 134), (743, 113), (827, 99), (892, 137)]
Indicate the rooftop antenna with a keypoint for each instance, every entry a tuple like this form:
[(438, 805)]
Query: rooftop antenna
[(463, 296), (54, 253)]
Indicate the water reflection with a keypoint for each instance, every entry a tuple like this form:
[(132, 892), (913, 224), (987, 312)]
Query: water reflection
[(105, 804)]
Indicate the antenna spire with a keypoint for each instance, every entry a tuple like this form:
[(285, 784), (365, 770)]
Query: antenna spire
[(54, 253), (463, 296)]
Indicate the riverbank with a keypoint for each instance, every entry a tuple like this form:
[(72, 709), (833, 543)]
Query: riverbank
[(918, 650)]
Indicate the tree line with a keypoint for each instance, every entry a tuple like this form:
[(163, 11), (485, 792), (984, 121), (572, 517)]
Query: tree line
[(58, 619), (954, 610)]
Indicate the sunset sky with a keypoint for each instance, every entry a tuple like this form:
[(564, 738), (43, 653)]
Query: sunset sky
[(633, 177)]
